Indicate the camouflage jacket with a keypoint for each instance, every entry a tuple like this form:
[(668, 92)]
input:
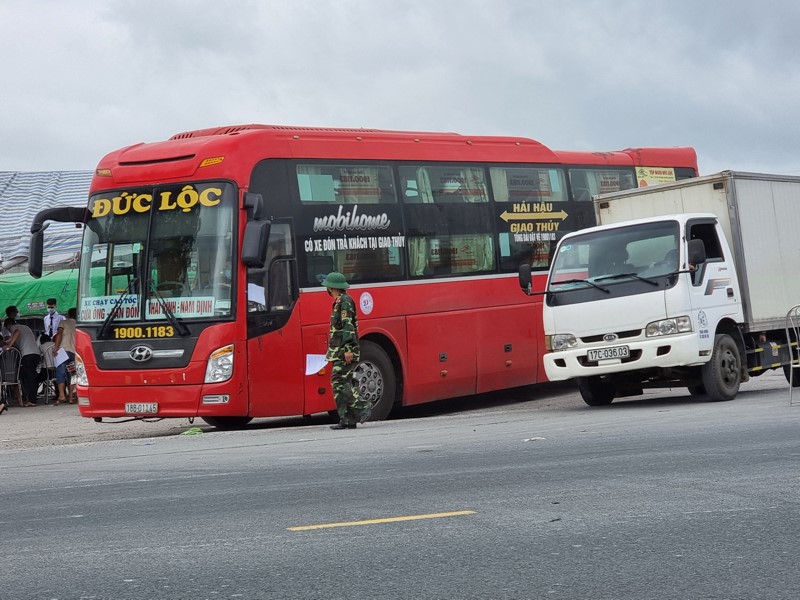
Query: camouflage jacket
[(344, 329)]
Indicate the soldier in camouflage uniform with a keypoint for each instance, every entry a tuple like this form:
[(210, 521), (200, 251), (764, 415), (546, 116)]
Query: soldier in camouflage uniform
[(343, 353)]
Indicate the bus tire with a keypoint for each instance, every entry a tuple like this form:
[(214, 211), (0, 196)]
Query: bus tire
[(376, 381), (793, 378), (722, 373), (227, 422), (595, 391)]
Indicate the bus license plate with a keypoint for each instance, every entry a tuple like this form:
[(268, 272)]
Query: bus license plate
[(608, 353), (141, 408)]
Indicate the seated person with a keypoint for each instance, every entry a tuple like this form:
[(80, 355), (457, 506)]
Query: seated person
[(615, 261)]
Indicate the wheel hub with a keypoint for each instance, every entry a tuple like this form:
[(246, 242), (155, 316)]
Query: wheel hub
[(370, 382)]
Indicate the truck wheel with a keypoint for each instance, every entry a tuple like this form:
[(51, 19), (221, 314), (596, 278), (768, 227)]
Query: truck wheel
[(722, 373), (795, 377), (595, 391), (375, 378), (227, 422)]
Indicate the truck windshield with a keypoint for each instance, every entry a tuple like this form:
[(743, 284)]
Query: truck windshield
[(147, 249), (634, 252)]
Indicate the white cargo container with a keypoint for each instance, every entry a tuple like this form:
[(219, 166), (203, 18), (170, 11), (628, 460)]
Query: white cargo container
[(682, 284)]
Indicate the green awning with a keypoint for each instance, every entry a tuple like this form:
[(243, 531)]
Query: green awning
[(30, 295)]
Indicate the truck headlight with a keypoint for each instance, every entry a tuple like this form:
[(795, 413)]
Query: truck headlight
[(669, 326), (561, 341), (220, 365), (79, 377)]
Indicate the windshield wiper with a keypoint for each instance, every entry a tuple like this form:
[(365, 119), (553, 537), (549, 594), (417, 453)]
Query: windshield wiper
[(183, 330), (101, 333), (634, 275), (586, 281)]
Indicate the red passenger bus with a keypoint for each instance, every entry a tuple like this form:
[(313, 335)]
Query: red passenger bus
[(202, 257)]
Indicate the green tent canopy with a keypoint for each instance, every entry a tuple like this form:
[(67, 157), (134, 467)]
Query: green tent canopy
[(30, 295)]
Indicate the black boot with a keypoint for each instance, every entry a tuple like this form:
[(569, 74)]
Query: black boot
[(344, 426)]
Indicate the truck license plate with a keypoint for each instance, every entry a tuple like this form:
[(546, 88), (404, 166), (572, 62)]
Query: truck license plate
[(608, 353), (141, 408)]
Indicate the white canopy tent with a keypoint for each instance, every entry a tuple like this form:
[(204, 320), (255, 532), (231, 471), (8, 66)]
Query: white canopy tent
[(22, 195)]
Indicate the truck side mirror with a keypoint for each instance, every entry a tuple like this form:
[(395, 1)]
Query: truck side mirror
[(696, 252), (525, 278)]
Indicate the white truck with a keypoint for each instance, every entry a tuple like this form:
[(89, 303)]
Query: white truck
[(685, 284)]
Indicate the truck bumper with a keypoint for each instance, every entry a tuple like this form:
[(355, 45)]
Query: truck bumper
[(661, 352)]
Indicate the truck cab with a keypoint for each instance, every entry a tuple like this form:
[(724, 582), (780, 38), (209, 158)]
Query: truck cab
[(642, 304)]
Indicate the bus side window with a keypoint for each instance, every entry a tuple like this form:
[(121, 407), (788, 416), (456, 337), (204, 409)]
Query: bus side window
[(280, 284), (317, 267), (446, 255), (272, 288)]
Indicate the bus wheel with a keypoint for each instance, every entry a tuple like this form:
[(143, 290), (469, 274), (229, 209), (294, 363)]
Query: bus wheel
[(595, 391), (795, 377), (375, 379), (721, 374), (227, 422)]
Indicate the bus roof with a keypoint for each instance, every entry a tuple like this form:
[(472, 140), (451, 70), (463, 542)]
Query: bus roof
[(677, 156), (232, 151)]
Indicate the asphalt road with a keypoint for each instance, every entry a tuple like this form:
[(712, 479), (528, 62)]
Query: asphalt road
[(659, 498)]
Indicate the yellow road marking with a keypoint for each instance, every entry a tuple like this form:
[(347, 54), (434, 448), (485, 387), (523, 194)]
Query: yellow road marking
[(457, 513)]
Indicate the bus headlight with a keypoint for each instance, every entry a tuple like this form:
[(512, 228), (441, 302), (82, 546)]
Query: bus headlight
[(669, 326), (220, 365), (79, 377), (561, 341)]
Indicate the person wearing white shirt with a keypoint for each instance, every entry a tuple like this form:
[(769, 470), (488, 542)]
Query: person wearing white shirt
[(65, 338), (52, 319)]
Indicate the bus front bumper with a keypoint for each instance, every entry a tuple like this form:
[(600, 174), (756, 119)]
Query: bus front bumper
[(175, 401)]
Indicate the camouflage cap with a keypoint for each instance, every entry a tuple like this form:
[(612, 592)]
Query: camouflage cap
[(335, 280)]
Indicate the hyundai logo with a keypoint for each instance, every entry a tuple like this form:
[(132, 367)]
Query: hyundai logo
[(610, 337), (141, 353)]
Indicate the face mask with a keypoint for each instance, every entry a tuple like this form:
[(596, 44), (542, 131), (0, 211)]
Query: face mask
[(52, 311)]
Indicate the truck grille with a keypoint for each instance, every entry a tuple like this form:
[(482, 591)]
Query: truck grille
[(593, 339)]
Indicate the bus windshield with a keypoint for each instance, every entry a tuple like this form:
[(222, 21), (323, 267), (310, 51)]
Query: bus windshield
[(152, 253)]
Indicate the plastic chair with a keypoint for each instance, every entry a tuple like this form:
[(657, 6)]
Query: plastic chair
[(47, 386), (10, 361)]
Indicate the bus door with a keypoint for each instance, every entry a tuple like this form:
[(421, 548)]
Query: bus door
[(275, 366)]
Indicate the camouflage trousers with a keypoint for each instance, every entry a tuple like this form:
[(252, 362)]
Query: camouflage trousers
[(351, 408)]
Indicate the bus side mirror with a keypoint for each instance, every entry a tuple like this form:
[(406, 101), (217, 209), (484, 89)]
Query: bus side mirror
[(254, 203), (35, 252), (525, 278), (62, 214), (254, 244), (696, 252)]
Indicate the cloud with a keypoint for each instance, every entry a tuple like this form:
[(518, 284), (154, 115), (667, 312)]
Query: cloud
[(87, 78)]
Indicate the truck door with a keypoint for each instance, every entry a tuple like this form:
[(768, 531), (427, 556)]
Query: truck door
[(714, 291)]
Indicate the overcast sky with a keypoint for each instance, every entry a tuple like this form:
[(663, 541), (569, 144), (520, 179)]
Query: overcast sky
[(82, 78)]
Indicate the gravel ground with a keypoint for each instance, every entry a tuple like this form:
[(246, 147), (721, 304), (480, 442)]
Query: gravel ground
[(50, 425)]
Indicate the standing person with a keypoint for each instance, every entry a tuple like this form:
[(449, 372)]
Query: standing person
[(65, 338), (52, 319), (23, 338), (343, 353)]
